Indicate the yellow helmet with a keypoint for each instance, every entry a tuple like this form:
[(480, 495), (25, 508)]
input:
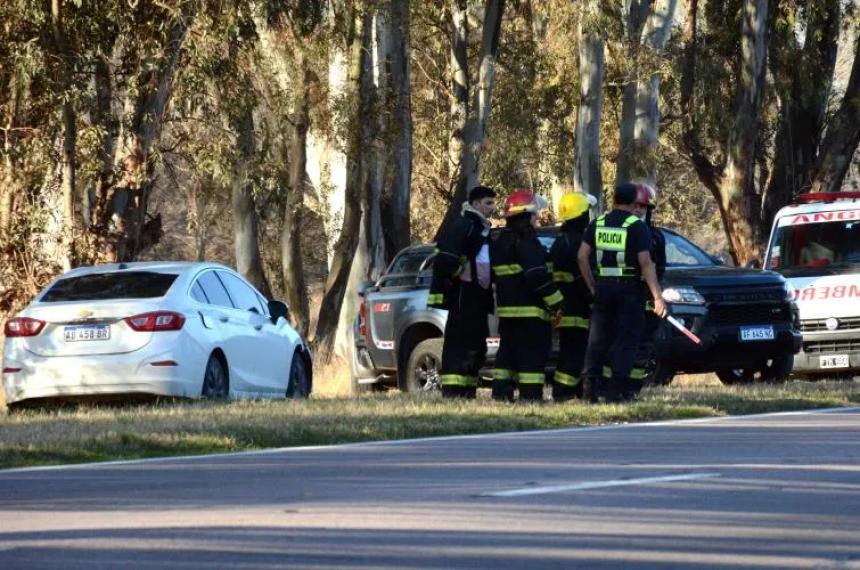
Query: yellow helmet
[(572, 206)]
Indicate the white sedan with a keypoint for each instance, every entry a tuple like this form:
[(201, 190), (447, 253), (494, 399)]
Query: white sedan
[(195, 330)]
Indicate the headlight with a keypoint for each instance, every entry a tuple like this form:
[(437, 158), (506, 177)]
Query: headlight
[(790, 292), (683, 295)]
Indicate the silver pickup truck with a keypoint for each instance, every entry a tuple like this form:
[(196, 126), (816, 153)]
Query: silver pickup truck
[(398, 340)]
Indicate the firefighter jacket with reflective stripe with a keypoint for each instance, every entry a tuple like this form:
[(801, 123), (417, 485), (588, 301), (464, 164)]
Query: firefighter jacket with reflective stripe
[(566, 274), (524, 285), (458, 246), (611, 249)]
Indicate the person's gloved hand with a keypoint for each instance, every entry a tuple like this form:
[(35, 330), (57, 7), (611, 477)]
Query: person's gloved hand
[(555, 317)]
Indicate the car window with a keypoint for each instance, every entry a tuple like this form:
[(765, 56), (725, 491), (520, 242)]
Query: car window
[(114, 285), (214, 290), (408, 262), (682, 252), (243, 296), (198, 294)]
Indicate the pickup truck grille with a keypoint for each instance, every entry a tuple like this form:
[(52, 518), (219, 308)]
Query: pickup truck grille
[(758, 314), (816, 325), (828, 346), (742, 295)]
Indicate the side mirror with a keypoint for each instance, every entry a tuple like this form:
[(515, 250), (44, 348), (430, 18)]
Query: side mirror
[(364, 286), (277, 309), (754, 264), (718, 259)]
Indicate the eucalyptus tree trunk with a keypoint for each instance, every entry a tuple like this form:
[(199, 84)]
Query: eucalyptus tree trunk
[(345, 247), (70, 134), (246, 241), (808, 72), (739, 202), (396, 202), (124, 228), (648, 26), (587, 176), (843, 136), (291, 251), (470, 122)]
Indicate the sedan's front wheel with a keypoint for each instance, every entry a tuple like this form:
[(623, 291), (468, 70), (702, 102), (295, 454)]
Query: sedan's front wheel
[(216, 382), (300, 383)]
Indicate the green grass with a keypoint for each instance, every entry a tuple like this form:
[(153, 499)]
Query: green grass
[(86, 434)]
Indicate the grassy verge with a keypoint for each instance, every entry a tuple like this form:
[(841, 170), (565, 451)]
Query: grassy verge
[(96, 434)]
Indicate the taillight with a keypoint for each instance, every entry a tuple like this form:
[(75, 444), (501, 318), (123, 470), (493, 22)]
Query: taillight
[(362, 320), (23, 326), (156, 321)]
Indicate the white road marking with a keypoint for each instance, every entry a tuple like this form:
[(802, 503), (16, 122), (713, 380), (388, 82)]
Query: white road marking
[(432, 439), (526, 491)]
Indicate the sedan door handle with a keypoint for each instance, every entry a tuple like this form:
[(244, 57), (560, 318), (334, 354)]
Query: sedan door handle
[(224, 319), (258, 327)]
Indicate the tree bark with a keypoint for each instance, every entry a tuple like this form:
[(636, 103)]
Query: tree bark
[(246, 243), (808, 73), (397, 201), (470, 132), (103, 115), (129, 231), (70, 134), (739, 201), (587, 174), (843, 136), (640, 114), (291, 251), (345, 247)]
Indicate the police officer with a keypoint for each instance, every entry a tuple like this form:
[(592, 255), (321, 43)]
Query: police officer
[(573, 327), (617, 248), (461, 284), (526, 301)]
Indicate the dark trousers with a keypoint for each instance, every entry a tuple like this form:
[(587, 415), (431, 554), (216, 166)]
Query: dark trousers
[(617, 322), (567, 382), (525, 345), (463, 351)]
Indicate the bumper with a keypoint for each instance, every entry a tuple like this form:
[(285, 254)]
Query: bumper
[(821, 349), (721, 345), (133, 373)]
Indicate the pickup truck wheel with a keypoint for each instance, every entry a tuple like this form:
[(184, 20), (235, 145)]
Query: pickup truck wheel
[(775, 371), (658, 373), (422, 370)]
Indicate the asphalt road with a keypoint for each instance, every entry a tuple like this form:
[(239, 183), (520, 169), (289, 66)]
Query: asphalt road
[(778, 491)]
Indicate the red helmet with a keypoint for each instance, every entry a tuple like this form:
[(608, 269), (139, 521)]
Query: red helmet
[(522, 202), (646, 195)]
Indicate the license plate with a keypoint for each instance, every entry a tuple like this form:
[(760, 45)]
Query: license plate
[(834, 361), (752, 334), (86, 333)]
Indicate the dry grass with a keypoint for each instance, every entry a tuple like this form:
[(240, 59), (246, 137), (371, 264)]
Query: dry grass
[(182, 428)]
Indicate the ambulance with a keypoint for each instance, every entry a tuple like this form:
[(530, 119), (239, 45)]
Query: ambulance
[(815, 245)]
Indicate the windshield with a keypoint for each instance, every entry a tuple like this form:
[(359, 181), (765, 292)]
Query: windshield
[(681, 252), (409, 262), (816, 249)]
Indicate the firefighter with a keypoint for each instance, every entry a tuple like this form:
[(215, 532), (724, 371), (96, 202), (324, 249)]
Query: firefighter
[(617, 248), (527, 301), (573, 329), (461, 285)]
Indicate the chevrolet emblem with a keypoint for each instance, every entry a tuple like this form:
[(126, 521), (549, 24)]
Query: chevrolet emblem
[(84, 314)]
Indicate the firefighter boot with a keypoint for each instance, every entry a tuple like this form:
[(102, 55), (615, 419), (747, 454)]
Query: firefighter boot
[(589, 389), (503, 390), (531, 392), (613, 391), (563, 392)]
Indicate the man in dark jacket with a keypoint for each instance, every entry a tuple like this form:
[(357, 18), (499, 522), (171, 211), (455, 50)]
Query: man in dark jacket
[(527, 301), (461, 285), (617, 247), (573, 327)]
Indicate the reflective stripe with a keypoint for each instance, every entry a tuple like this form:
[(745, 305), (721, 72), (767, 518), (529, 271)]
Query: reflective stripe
[(635, 374), (574, 322), (458, 380), (502, 374), (563, 277), (566, 379), (522, 312), (531, 378), (617, 272), (553, 299), (549, 266), (506, 270), (436, 299)]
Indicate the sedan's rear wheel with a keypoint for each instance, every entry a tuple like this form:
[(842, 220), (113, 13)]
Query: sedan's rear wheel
[(216, 381)]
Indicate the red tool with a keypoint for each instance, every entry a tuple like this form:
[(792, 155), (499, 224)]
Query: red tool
[(677, 324)]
